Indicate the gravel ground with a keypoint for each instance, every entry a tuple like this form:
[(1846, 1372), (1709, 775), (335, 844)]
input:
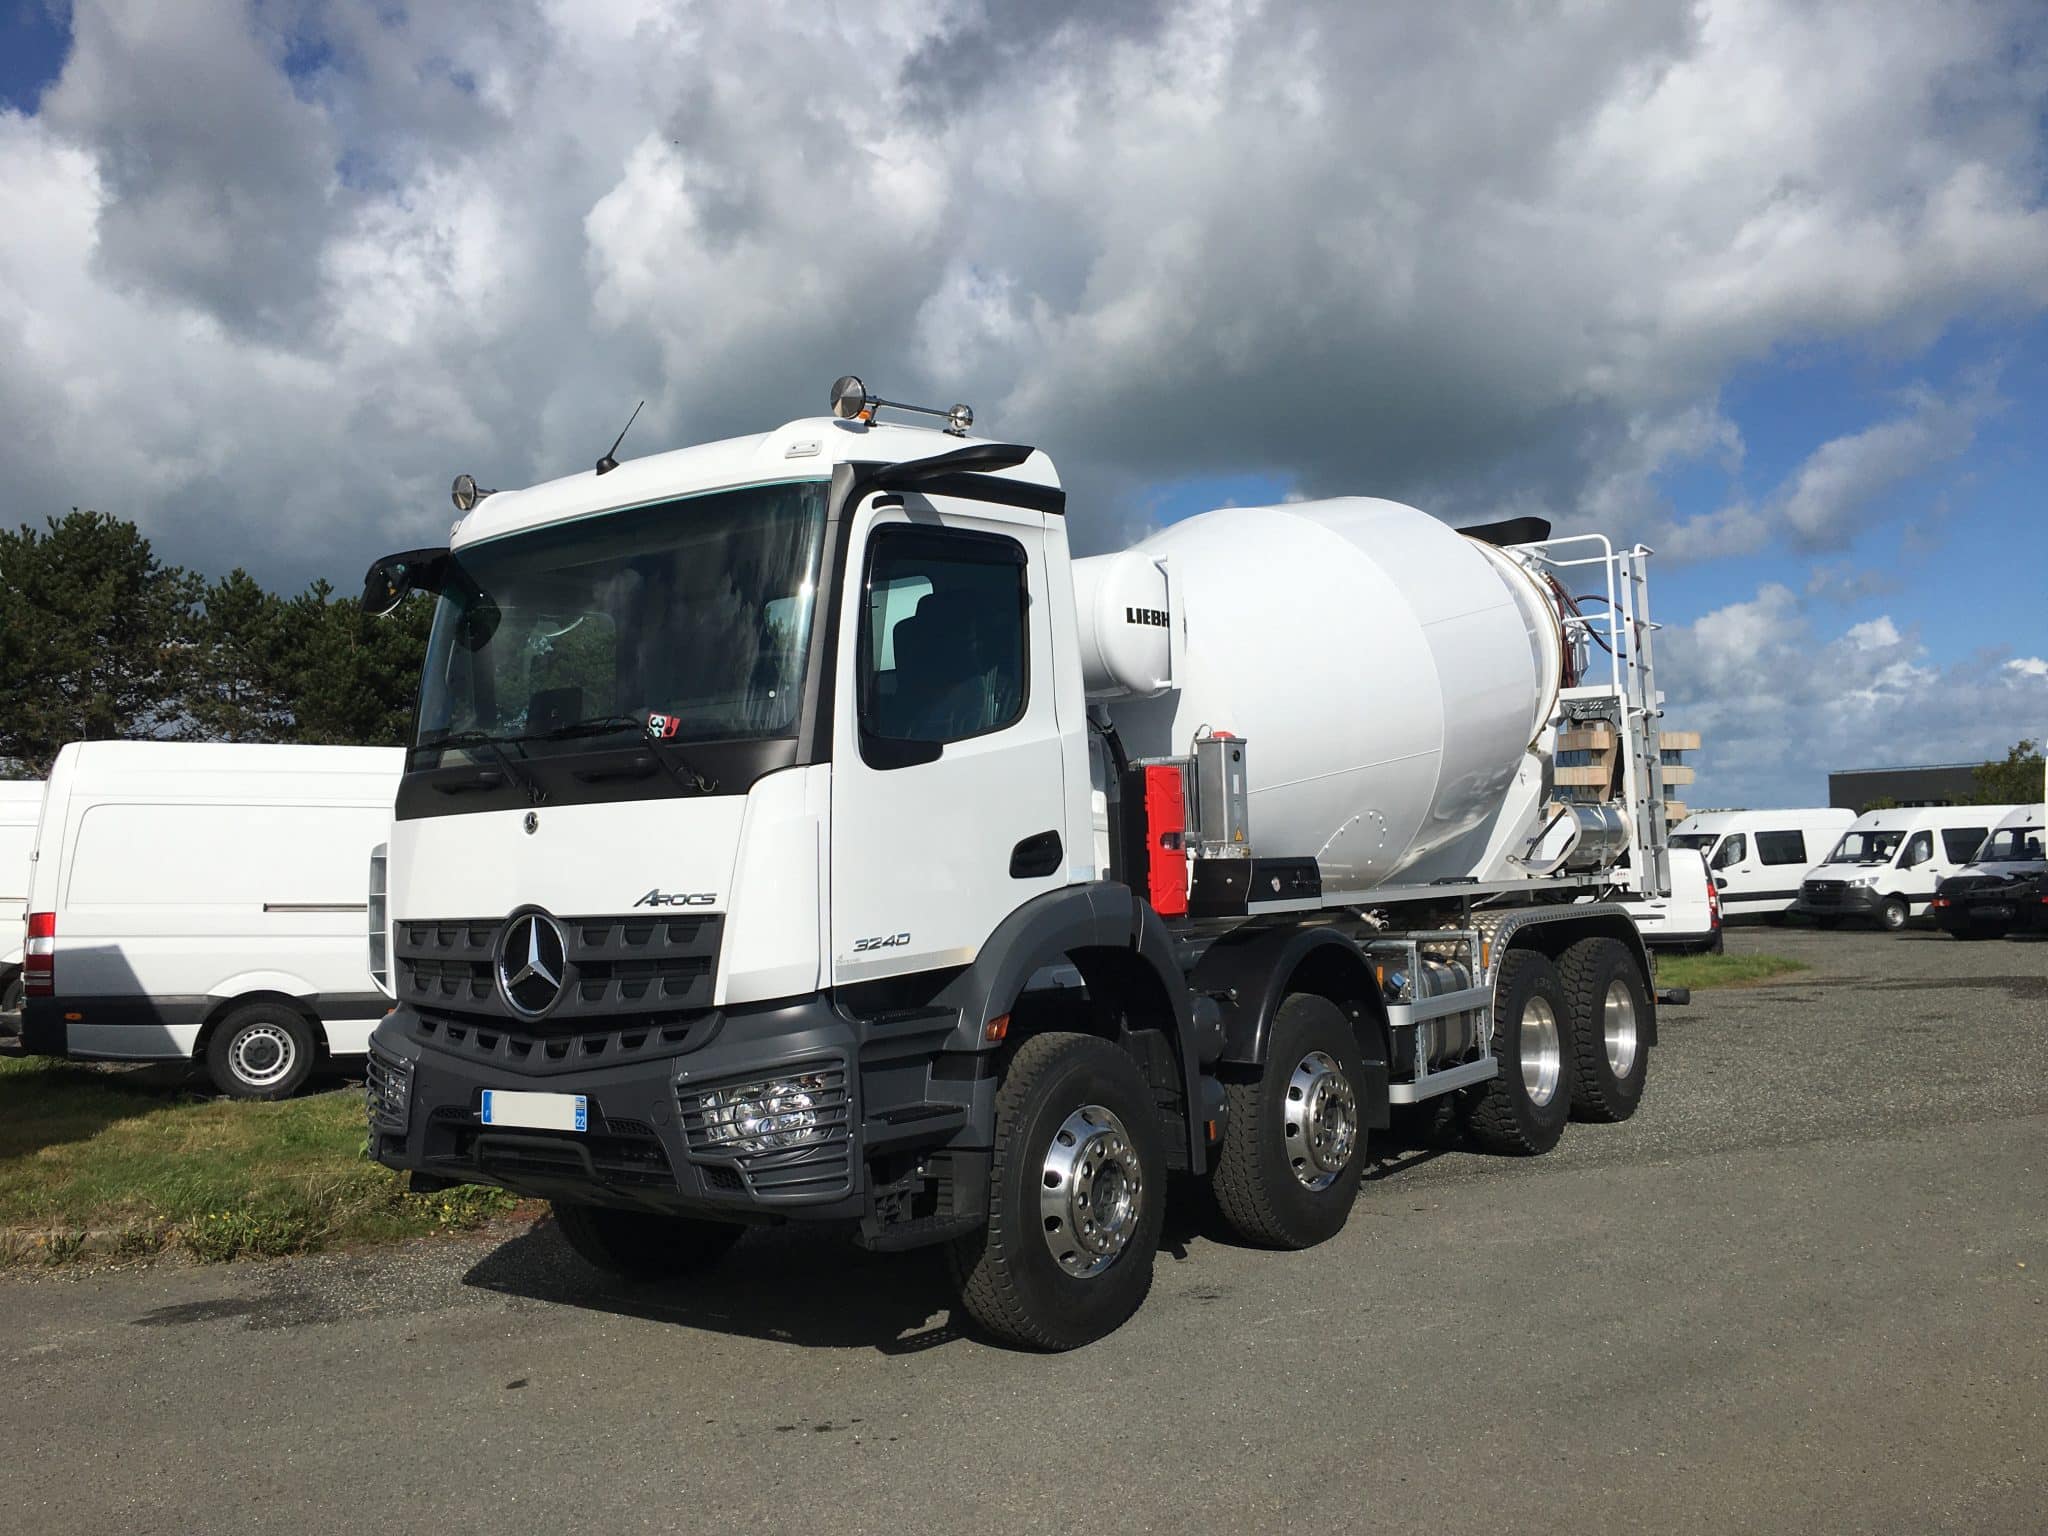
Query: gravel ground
[(1801, 1289)]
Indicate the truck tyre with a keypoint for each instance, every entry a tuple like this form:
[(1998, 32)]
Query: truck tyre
[(1892, 915), (1076, 1197), (640, 1245), (1523, 1110), (1294, 1143), (261, 1051), (1610, 1018)]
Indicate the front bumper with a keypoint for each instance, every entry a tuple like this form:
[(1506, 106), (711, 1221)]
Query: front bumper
[(1845, 901), (905, 1124), (2013, 911)]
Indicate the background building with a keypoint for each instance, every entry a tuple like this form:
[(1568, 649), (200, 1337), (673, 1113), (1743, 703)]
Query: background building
[(1936, 784), (1585, 763)]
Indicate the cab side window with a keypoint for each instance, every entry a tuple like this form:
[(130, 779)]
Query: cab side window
[(944, 642), (1733, 850), (1961, 843), (1781, 848), (1918, 851)]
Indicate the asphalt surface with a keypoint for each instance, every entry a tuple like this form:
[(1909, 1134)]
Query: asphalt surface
[(1801, 1290)]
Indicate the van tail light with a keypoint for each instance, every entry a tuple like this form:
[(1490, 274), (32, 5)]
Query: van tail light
[(1713, 904), (39, 960)]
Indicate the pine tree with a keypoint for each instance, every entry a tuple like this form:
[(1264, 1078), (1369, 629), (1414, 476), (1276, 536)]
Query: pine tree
[(97, 637)]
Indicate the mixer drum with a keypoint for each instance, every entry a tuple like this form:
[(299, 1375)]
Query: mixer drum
[(1390, 673)]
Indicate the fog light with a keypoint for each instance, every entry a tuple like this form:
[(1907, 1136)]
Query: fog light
[(769, 1116), (387, 1083)]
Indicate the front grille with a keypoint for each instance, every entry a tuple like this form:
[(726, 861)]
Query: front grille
[(1824, 893), (655, 966), (527, 1048)]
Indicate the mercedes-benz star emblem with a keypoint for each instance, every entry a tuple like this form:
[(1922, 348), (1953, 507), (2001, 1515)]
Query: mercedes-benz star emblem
[(532, 964)]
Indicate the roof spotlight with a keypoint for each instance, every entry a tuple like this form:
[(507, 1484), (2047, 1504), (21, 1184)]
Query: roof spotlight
[(852, 402), (465, 493)]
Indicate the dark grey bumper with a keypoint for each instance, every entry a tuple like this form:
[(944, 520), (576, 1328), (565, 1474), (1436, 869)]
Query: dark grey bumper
[(909, 1123), (1850, 901)]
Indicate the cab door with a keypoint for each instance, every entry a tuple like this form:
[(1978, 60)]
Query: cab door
[(948, 786)]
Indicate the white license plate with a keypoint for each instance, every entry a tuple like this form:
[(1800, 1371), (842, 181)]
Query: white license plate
[(536, 1111)]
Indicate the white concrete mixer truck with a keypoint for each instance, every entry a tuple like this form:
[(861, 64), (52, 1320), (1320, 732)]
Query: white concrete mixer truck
[(795, 831)]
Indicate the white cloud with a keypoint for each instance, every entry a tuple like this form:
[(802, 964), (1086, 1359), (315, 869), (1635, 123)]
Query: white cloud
[(1779, 700), (1397, 249)]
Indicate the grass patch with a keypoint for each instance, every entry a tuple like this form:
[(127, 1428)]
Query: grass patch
[(1698, 971), (94, 1164)]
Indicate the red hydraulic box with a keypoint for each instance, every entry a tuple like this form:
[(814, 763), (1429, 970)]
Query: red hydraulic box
[(1166, 855)]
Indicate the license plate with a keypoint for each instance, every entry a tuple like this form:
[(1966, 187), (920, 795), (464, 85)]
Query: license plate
[(536, 1111), (1999, 913)]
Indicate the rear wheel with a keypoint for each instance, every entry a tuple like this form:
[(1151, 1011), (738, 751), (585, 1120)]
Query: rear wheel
[(1892, 915), (261, 1051), (641, 1245), (1294, 1144), (10, 995), (1610, 1012), (1524, 1108), (1077, 1194)]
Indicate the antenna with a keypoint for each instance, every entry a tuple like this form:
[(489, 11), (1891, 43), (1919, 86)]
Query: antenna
[(607, 464)]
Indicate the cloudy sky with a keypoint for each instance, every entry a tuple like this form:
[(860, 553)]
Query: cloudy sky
[(1760, 282)]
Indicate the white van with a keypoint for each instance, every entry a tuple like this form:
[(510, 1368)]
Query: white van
[(1689, 919), (21, 803), (1759, 858), (1887, 865), (193, 900)]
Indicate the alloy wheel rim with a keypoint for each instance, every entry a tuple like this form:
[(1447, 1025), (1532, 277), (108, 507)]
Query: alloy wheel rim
[(1542, 1056), (1618, 1028), (1091, 1191), (1319, 1114)]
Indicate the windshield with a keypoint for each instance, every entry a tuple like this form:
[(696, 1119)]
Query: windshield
[(697, 611), (1866, 848), (2014, 845), (1699, 840)]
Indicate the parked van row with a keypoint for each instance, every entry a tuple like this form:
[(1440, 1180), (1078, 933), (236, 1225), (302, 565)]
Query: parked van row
[(189, 901), (1884, 868)]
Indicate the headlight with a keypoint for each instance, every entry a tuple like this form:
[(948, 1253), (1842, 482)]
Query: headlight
[(1866, 880), (768, 1116)]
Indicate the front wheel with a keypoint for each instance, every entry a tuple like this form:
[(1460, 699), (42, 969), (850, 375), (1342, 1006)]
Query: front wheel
[(1892, 915), (1076, 1198), (262, 1051), (1524, 1107), (641, 1245), (1294, 1144)]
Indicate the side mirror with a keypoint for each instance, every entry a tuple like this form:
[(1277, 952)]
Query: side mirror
[(387, 583)]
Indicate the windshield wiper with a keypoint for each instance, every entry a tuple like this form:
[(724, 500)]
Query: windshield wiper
[(496, 744), (678, 766)]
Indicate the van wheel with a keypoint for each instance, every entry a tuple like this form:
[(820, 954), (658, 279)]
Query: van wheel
[(1523, 1110), (1077, 1194), (1610, 1023), (262, 1051), (10, 995), (1294, 1144), (642, 1245), (1892, 915)]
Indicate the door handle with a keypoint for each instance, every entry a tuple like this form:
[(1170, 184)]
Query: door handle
[(1037, 856)]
